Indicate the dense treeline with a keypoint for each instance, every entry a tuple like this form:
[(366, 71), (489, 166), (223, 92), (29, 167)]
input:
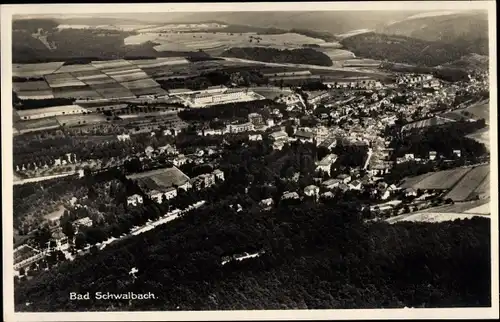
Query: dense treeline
[(272, 55), (41, 103), (316, 257), (407, 50), (225, 111)]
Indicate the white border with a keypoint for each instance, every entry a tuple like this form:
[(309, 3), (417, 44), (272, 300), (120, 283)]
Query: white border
[(108, 10)]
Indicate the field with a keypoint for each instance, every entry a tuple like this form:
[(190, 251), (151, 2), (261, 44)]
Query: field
[(338, 54), (78, 92), (35, 70), (74, 120), (440, 180), (466, 186), (216, 43), (37, 125), (480, 110), (435, 121), (30, 86), (49, 110), (55, 215), (111, 90), (161, 178), (436, 217), (62, 80), (483, 190)]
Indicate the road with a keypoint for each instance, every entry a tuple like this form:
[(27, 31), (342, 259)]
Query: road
[(340, 69), (37, 179)]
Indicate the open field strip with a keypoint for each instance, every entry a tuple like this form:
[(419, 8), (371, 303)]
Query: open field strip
[(142, 83), (35, 95), (38, 179), (483, 209), (435, 217), (465, 187), (30, 86), (130, 77), (79, 92), (35, 70), (110, 64), (99, 80), (62, 80), (75, 68), (37, 124), (442, 179), (149, 91), (483, 190), (149, 63), (72, 120)]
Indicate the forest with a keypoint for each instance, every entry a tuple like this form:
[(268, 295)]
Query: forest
[(316, 256), (273, 55), (401, 49)]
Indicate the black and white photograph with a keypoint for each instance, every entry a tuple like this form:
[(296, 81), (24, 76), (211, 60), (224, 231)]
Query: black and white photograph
[(255, 157)]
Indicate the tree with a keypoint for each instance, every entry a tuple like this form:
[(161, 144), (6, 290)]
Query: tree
[(80, 240), (43, 236)]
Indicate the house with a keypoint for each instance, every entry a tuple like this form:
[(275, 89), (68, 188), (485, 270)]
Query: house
[(180, 160), (279, 136), (266, 202), (239, 128), (168, 149), (170, 193), (327, 195), (134, 200), (203, 181), (410, 192), (255, 137), (149, 151), (123, 137), (255, 118), (355, 185), (329, 142), (219, 175), (325, 163), (270, 122), (344, 178), (343, 187), (386, 194), (304, 136), (156, 196), (458, 153), (87, 222), (290, 195), (409, 156), (331, 183), (311, 190)]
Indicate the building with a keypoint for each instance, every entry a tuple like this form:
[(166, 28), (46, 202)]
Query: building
[(87, 222), (203, 181), (331, 183), (279, 136), (255, 137), (311, 191), (320, 133), (316, 97), (39, 113), (325, 163), (134, 200), (290, 195), (329, 142), (239, 128), (355, 185), (432, 155), (180, 160), (170, 193), (26, 255), (345, 178), (156, 196), (168, 149), (123, 137), (255, 119), (266, 203), (304, 136), (458, 153), (219, 174)]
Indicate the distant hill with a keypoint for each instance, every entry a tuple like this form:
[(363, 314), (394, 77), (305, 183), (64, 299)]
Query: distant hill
[(447, 27), (402, 49), (471, 62), (273, 55)]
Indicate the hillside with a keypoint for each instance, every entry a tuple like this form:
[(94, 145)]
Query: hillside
[(272, 55), (471, 27), (402, 49), (315, 257), (471, 62)]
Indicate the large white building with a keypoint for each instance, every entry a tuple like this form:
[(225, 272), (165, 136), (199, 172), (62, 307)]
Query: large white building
[(40, 113), (325, 163)]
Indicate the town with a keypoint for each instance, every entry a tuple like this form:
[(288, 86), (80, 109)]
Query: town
[(228, 166)]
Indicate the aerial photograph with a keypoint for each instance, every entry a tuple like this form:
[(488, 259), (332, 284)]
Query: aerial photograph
[(270, 160)]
